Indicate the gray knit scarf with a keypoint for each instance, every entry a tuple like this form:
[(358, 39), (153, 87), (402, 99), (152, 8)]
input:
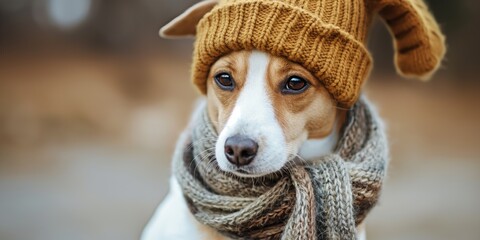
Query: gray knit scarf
[(322, 199)]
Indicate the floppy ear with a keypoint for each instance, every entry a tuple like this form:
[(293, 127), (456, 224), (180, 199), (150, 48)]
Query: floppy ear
[(185, 24), (419, 42)]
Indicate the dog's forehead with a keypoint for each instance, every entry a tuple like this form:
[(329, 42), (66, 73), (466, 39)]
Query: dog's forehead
[(241, 63), (234, 59)]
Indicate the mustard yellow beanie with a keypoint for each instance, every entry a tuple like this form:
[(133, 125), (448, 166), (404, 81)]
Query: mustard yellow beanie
[(327, 37)]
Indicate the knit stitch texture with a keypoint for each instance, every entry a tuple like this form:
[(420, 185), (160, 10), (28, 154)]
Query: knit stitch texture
[(327, 37), (321, 199)]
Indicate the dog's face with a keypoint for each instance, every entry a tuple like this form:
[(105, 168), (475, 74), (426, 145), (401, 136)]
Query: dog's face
[(264, 108)]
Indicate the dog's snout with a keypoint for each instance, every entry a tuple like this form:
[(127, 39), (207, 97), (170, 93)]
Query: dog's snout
[(240, 150)]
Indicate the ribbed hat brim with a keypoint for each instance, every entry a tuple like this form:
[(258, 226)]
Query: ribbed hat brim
[(334, 56)]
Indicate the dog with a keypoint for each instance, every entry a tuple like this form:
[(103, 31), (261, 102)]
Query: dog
[(259, 116), (292, 118), (267, 110)]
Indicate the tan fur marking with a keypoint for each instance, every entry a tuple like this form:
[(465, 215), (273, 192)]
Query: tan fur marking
[(221, 102), (185, 24), (312, 112)]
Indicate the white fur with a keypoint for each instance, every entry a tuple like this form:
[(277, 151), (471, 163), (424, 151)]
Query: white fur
[(314, 148), (172, 219), (253, 115)]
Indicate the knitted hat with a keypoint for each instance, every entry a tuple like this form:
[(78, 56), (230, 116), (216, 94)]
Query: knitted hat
[(327, 37)]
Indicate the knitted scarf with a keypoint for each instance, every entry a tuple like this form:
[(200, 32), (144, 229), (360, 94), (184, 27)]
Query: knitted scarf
[(321, 199)]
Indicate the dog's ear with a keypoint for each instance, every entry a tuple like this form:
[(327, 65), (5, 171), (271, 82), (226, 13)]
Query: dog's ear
[(419, 42), (185, 24)]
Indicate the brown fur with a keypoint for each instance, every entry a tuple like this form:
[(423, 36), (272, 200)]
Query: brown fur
[(220, 102), (311, 113)]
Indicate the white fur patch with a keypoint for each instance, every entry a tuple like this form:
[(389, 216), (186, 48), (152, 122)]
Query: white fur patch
[(253, 116), (315, 148), (172, 219)]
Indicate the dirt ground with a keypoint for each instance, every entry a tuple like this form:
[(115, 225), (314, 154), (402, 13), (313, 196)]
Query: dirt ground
[(86, 140)]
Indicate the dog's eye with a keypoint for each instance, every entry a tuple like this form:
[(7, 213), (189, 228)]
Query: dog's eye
[(295, 84), (224, 81)]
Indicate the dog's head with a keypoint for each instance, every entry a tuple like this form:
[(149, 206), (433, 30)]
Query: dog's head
[(266, 107)]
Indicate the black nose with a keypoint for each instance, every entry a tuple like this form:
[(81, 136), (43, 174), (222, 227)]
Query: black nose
[(240, 150)]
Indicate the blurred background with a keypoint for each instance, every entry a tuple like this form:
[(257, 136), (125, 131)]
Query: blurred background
[(92, 102)]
